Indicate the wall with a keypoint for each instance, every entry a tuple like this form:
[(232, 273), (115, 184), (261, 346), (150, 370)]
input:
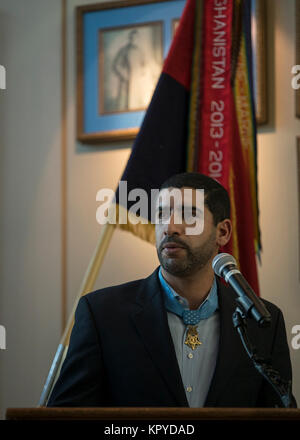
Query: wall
[(91, 168), (277, 177), (30, 192), (29, 196)]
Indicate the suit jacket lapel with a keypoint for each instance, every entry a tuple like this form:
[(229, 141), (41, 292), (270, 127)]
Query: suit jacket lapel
[(150, 319), (228, 346)]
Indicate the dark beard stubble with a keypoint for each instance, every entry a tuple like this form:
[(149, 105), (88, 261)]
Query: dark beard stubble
[(193, 260)]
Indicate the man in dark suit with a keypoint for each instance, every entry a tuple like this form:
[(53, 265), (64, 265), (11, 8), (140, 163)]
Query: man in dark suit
[(168, 340)]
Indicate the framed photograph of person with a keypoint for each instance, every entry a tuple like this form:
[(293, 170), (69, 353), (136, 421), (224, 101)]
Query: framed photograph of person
[(121, 46), (259, 47), (130, 60)]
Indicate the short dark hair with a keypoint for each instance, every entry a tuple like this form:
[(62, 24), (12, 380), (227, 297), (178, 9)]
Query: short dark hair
[(216, 197)]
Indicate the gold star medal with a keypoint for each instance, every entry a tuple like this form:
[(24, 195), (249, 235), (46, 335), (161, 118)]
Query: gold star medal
[(192, 338)]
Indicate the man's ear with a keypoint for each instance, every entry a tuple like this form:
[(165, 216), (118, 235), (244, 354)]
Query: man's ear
[(224, 231)]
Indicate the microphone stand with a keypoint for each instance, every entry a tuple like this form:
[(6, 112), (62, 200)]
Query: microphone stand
[(282, 387)]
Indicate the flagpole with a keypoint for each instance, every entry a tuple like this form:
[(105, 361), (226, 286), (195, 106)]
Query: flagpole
[(86, 286)]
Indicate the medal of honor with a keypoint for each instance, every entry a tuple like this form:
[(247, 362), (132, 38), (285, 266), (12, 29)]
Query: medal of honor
[(192, 338)]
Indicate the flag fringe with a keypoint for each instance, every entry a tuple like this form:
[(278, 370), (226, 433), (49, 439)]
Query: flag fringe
[(129, 222)]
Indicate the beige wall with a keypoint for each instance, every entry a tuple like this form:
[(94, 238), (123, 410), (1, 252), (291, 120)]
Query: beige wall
[(30, 192), (91, 168), (277, 177), (29, 195)]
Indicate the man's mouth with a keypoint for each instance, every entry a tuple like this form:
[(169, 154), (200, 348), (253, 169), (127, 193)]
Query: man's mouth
[(172, 245), (172, 248)]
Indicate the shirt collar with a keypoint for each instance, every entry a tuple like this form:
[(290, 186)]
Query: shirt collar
[(172, 295)]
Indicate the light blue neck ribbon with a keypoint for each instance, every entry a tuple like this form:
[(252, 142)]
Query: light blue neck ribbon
[(177, 304)]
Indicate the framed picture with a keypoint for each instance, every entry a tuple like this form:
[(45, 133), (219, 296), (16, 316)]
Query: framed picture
[(120, 51), (130, 64), (259, 45), (121, 46), (297, 91)]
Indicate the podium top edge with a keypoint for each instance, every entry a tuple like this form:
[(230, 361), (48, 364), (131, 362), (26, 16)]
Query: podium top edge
[(152, 413)]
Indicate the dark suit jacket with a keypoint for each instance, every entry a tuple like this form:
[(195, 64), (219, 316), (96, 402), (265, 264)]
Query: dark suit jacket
[(121, 353)]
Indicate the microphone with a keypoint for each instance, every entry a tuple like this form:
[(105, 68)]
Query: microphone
[(225, 266)]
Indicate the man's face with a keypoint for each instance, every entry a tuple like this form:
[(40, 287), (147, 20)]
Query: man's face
[(133, 37), (179, 253)]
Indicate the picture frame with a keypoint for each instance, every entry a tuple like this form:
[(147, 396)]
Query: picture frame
[(107, 109), (123, 89), (297, 55), (259, 45)]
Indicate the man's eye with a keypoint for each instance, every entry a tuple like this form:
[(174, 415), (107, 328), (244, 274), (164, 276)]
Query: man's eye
[(189, 212)]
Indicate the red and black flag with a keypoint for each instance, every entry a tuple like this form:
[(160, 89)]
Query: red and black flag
[(202, 118)]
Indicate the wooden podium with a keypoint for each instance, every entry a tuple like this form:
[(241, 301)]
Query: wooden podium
[(159, 414)]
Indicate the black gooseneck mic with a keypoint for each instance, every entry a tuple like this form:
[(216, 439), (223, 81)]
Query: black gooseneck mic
[(249, 305), (225, 266)]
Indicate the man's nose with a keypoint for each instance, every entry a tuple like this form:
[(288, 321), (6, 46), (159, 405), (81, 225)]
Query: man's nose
[(173, 226)]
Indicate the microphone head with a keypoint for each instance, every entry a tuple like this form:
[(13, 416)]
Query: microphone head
[(222, 260)]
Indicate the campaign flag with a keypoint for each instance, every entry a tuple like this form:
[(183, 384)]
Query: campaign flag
[(202, 118)]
